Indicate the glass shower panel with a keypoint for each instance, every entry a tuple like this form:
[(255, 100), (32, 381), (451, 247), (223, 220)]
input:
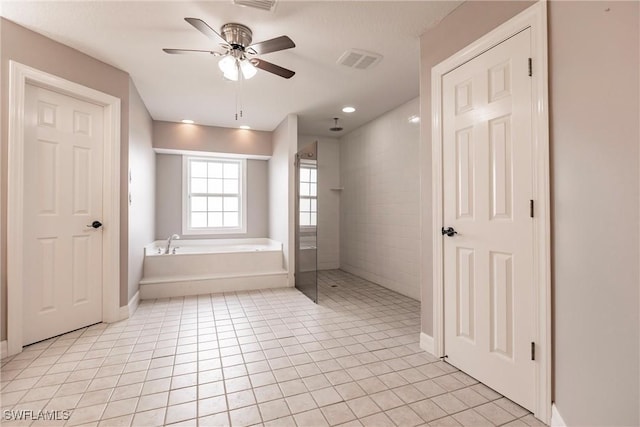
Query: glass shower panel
[(306, 236)]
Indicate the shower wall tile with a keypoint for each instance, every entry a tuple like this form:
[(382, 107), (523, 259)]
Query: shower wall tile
[(380, 203)]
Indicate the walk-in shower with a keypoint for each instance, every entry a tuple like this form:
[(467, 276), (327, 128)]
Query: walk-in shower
[(306, 235)]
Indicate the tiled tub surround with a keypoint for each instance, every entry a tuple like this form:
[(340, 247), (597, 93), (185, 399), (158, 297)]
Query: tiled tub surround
[(245, 358)]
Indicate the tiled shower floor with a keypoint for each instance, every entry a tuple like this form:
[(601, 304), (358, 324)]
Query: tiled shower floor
[(262, 357)]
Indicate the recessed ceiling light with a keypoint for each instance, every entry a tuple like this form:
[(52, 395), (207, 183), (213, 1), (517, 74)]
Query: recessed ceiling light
[(414, 119), (245, 127), (187, 121), (348, 109)]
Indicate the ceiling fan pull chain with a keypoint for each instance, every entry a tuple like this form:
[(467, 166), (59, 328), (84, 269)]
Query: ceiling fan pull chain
[(237, 99), (241, 81)]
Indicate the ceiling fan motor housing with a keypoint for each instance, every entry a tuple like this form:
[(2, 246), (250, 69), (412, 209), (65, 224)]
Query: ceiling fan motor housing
[(237, 35)]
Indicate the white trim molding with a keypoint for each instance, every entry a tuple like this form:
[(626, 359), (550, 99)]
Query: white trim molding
[(426, 343), (556, 419), (211, 154), (19, 76), (128, 310), (535, 18), (134, 303), (187, 230)]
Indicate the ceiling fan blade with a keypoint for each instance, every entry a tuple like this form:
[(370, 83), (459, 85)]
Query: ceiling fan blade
[(272, 45), (205, 29), (180, 51), (272, 68)]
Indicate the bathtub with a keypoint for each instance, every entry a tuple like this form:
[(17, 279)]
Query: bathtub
[(206, 266)]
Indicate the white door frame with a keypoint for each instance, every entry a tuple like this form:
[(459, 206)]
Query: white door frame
[(19, 76), (535, 17)]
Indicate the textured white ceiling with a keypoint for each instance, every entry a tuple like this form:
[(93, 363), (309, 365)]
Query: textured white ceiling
[(130, 36)]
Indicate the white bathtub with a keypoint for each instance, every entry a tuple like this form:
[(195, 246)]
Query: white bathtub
[(210, 266)]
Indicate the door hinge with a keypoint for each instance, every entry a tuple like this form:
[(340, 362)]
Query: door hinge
[(533, 350), (530, 67), (531, 208)]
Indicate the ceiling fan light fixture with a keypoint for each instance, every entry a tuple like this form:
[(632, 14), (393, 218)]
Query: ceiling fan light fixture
[(232, 76), (248, 69), (229, 67)]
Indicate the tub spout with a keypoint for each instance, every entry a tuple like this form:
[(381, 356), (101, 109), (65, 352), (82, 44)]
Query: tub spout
[(168, 248)]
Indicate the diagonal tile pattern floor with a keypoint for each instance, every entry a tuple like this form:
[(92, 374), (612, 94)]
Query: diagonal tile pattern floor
[(269, 358)]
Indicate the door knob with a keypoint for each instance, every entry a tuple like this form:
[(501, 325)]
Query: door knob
[(95, 224), (449, 231)]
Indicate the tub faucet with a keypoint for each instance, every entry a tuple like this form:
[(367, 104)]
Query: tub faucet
[(172, 237)]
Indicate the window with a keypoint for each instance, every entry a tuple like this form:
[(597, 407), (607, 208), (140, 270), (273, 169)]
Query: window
[(308, 196), (215, 201)]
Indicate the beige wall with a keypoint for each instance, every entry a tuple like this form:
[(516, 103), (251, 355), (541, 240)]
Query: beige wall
[(380, 205), (593, 75), (328, 230), (29, 48), (594, 93), (168, 210), (180, 136), (142, 165)]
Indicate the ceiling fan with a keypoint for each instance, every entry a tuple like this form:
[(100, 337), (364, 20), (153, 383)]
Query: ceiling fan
[(239, 56)]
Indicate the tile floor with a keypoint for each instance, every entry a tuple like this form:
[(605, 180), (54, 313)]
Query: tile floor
[(268, 358)]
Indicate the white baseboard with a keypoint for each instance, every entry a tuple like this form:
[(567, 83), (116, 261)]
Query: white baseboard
[(556, 419), (133, 303), (4, 350), (123, 313), (426, 343), (127, 311)]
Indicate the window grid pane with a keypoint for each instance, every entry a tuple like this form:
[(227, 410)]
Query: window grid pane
[(308, 205), (214, 194)]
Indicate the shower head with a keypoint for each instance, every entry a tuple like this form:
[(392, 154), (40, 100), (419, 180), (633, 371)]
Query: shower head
[(335, 127)]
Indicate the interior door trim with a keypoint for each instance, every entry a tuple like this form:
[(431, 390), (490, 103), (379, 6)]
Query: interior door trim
[(19, 76), (535, 18)]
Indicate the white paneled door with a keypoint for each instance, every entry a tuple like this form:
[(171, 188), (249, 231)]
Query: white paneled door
[(488, 186), (62, 198)]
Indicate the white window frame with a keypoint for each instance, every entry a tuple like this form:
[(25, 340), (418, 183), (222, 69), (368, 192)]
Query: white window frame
[(186, 192), (309, 228)]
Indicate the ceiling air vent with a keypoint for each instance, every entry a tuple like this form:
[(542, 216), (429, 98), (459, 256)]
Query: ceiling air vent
[(267, 5), (360, 59)]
